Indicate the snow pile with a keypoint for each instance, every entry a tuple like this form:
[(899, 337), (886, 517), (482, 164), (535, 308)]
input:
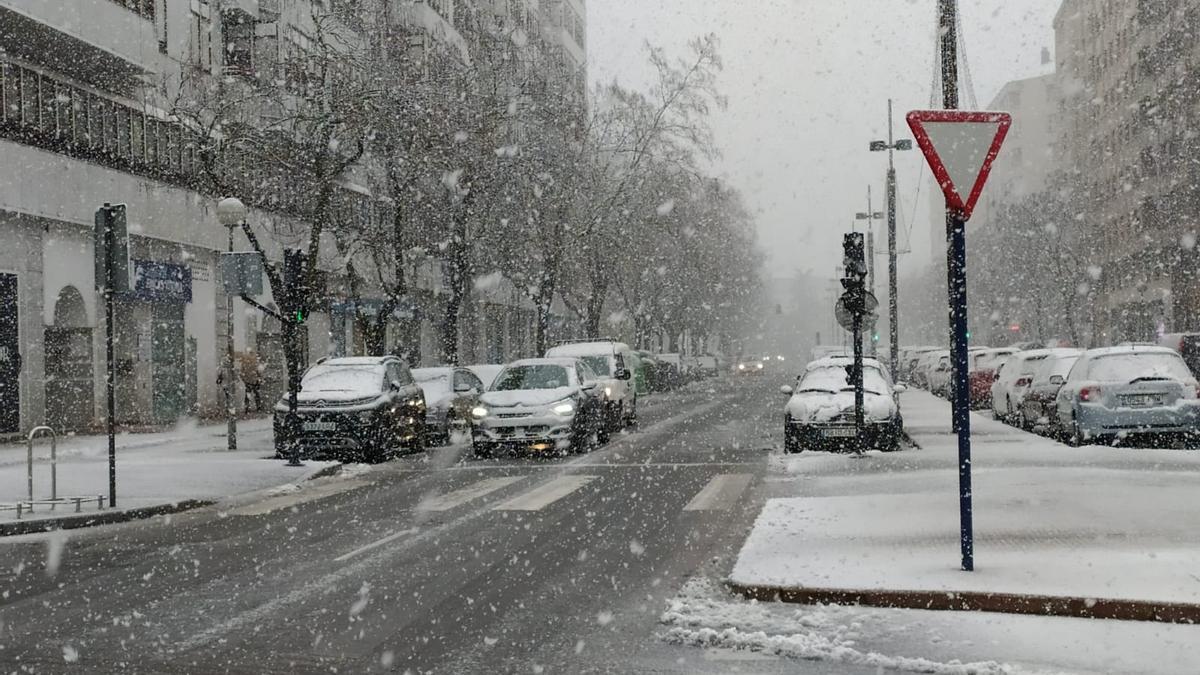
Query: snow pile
[(698, 617)]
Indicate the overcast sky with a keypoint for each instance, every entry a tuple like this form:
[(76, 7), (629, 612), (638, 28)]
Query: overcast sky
[(808, 83)]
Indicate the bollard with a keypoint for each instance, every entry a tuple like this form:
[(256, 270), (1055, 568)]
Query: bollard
[(53, 461)]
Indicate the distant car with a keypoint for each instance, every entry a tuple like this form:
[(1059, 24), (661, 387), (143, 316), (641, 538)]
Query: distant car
[(366, 408), (1038, 407), (450, 395), (486, 372), (937, 374), (611, 362), (751, 367), (1120, 392), (545, 405), (820, 409)]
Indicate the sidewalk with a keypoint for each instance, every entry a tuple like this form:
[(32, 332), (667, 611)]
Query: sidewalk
[(187, 464), (1085, 523)]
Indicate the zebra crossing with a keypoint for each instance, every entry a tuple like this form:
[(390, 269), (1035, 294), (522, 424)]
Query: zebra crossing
[(720, 493)]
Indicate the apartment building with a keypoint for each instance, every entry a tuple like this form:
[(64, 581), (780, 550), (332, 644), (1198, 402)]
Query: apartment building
[(88, 93), (1130, 74)]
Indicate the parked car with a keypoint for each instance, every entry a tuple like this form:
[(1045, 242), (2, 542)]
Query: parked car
[(450, 395), (672, 370), (611, 362), (1012, 381), (1038, 407), (543, 405), (1119, 392), (820, 408), (486, 372), (365, 408), (937, 374), (926, 364), (982, 373)]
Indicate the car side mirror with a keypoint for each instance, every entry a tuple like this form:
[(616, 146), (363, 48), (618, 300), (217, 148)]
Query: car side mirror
[(624, 374), (590, 386), (786, 390), (1057, 379), (396, 386), (463, 389), (900, 388)]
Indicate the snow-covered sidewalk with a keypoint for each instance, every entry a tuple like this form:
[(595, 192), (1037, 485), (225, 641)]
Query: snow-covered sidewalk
[(1090, 522), (189, 462)]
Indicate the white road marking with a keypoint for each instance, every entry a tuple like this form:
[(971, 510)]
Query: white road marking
[(720, 493), (471, 492), (376, 544), (546, 494), (307, 493)]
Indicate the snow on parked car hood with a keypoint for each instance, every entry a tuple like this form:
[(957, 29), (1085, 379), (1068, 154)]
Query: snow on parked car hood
[(824, 393), (342, 382)]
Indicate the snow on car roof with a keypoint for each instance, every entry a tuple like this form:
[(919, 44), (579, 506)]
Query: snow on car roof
[(1129, 349), (357, 361), (566, 362), (830, 361), (587, 349), (425, 374)]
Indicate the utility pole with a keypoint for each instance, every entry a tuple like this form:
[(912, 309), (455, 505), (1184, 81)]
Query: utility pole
[(870, 216), (956, 262), (891, 146)]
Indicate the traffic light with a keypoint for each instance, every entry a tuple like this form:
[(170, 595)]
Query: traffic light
[(854, 255), (293, 279)]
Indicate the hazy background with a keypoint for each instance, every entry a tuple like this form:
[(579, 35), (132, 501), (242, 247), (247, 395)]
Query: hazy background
[(808, 83)]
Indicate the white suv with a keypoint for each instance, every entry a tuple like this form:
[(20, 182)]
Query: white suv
[(611, 361)]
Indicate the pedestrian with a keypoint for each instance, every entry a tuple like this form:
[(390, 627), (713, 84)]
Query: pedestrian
[(252, 379)]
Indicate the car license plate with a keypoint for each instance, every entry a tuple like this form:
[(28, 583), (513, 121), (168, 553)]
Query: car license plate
[(1141, 400), (840, 432), (320, 426)]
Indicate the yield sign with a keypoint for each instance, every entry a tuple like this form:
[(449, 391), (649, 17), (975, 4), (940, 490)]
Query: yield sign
[(960, 147)]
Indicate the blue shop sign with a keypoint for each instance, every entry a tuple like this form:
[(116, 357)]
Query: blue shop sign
[(161, 282)]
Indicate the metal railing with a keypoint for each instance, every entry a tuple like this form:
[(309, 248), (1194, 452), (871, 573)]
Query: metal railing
[(21, 507)]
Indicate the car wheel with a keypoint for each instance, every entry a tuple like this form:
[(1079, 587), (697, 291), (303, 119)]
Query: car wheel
[(603, 430), (417, 444), (1075, 439)]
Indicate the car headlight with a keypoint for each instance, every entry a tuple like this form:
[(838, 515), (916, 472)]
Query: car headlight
[(479, 412), (564, 409), (418, 402), (741, 366), (608, 392), (760, 366)]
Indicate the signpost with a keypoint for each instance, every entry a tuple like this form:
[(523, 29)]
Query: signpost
[(960, 147), (110, 239)]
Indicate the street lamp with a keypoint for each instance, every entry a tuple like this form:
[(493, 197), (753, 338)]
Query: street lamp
[(891, 145), (231, 213)]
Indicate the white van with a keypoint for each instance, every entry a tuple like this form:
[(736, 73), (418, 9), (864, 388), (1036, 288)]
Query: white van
[(612, 362)]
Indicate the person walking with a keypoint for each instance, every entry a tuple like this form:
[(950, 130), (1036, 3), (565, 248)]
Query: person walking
[(252, 379)]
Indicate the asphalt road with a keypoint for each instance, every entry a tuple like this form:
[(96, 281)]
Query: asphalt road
[(427, 564)]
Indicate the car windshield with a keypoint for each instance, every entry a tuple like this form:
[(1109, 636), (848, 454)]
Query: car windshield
[(1137, 365), (435, 382), (362, 380), (516, 378), (600, 365), (834, 379)]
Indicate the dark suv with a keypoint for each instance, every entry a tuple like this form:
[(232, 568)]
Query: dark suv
[(366, 408)]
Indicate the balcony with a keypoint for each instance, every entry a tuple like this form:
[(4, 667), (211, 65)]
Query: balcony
[(108, 42)]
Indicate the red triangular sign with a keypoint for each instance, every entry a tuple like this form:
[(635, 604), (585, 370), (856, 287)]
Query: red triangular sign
[(960, 147)]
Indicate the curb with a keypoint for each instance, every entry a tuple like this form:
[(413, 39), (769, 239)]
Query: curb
[(978, 601), (99, 518), (15, 528)]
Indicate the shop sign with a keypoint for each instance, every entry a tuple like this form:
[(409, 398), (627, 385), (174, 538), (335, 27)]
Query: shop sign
[(161, 282)]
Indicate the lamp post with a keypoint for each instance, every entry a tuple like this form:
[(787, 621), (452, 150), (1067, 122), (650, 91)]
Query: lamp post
[(870, 216), (231, 212), (892, 145)]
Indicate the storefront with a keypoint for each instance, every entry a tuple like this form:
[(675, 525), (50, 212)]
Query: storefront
[(156, 370)]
